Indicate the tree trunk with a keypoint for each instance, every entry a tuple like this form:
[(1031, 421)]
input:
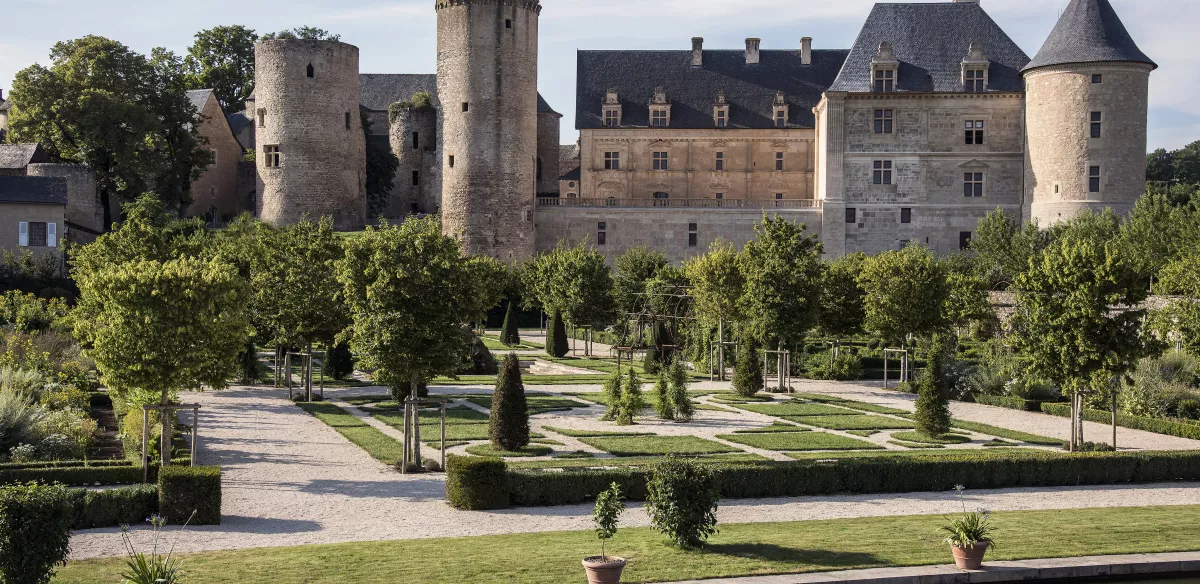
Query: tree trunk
[(416, 442), (308, 374), (164, 442), (721, 349)]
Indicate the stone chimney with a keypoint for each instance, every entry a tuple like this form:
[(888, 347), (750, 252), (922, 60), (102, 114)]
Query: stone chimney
[(752, 51), (806, 51), (697, 51)]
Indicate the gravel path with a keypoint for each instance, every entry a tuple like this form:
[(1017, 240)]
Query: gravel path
[(291, 480)]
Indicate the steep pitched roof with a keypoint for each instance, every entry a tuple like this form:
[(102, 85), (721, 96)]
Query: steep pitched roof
[(1089, 31), (930, 40), (5, 105), (199, 97), (377, 91), (544, 107), (18, 156), (44, 190), (749, 89), (568, 162), (239, 121)]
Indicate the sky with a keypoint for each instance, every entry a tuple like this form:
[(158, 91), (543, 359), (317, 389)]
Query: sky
[(397, 36)]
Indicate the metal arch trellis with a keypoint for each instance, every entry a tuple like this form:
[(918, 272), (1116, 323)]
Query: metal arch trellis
[(676, 314)]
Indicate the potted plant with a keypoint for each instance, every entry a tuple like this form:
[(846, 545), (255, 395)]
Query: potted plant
[(969, 536), (605, 569)]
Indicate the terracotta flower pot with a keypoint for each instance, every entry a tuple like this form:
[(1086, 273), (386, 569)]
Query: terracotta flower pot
[(970, 558), (601, 570)]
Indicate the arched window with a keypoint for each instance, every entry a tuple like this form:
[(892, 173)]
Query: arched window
[(310, 71)]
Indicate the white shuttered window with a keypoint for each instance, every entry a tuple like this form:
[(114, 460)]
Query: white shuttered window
[(23, 234), (51, 235)]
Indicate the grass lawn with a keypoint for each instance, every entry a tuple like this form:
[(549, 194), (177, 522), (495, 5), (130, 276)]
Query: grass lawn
[(923, 439), (592, 433), (489, 450), (380, 446), (991, 430), (776, 427), (597, 379), (656, 445), (854, 405), (738, 550), (536, 404), (730, 397), (863, 422), (915, 445), (593, 462), (462, 424), (794, 441), (797, 409), (999, 452), (494, 344)]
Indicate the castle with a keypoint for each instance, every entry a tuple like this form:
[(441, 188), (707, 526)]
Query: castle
[(933, 118)]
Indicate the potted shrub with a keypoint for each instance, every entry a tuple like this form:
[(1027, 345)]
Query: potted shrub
[(969, 536), (605, 569)]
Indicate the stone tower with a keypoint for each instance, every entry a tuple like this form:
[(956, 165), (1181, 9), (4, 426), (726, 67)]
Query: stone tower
[(548, 122), (487, 85), (1087, 95), (412, 134), (311, 152)]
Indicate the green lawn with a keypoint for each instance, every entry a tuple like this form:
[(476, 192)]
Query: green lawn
[(991, 430), (597, 379), (796, 409), (776, 427), (592, 433), (536, 404), (847, 403), (795, 441), (462, 424), (489, 450), (998, 452), (494, 344), (915, 445), (380, 446), (738, 550), (592, 462), (863, 422), (656, 445), (923, 439)]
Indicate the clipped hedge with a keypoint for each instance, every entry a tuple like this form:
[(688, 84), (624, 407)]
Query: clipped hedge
[(74, 475), (883, 474), (113, 507), (183, 490), (477, 483), (1156, 425), (1012, 403)]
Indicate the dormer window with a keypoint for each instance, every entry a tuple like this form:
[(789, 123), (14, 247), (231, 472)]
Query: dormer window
[(884, 69), (612, 109), (660, 109), (780, 112), (975, 69), (721, 110)]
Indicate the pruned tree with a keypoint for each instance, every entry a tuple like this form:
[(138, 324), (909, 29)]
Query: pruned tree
[(717, 283), (556, 336), (573, 280), (933, 397), (637, 266), (1001, 248), (906, 293), (508, 424), (681, 403), (748, 373), (510, 332), (783, 271), (842, 312)]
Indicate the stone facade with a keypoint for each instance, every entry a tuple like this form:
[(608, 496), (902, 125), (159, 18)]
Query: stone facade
[(84, 215), (311, 154), (215, 193), (548, 123), (414, 140), (1061, 150), (15, 213), (487, 54)]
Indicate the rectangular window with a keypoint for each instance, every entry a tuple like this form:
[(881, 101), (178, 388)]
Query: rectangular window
[(610, 119), (693, 239), (851, 215), (347, 120), (612, 161), (660, 161), (882, 174), (780, 119), (885, 81), (778, 196), (658, 118), (972, 184), (1097, 120), (272, 156), (451, 161), (1093, 179), (601, 233), (964, 240), (720, 161), (721, 119), (37, 234), (416, 178), (1097, 79), (883, 121), (975, 80), (720, 196), (262, 117), (778, 161), (466, 107), (974, 131), (416, 140), (414, 208), (905, 215), (508, 23)]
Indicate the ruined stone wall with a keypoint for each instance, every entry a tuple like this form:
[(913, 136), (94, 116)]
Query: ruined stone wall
[(315, 123), (1060, 147), (83, 200), (547, 153), (487, 86), (413, 139)]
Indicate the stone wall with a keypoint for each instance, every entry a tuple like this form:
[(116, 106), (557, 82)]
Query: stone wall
[(216, 189), (14, 213), (315, 123), (487, 85), (665, 230), (413, 139), (547, 153), (83, 200), (1060, 148)]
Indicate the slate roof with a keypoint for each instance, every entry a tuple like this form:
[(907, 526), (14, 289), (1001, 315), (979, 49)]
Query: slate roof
[(568, 162), (239, 121), (5, 105), (749, 89), (43, 190), (544, 107), (1089, 31), (18, 156), (199, 97), (930, 40), (377, 91)]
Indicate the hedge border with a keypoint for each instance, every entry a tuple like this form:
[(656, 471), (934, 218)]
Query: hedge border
[(476, 483), (183, 490), (1155, 425), (113, 507)]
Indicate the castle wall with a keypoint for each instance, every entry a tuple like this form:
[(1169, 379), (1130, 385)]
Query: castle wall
[(217, 187), (547, 153), (487, 85), (413, 139), (83, 200), (315, 123), (1060, 147)]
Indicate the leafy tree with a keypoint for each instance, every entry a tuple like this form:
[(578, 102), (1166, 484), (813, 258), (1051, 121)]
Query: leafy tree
[(508, 425), (783, 273), (1182, 278), (35, 532), (574, 280), (411, 293), (662, 394), (933, 397), (906, 293), (1002, 247), (612, 395), (748, 374), (717, 286), (556, 336), (1176, 167), (967, 298), (222, 59), (125, 116), (681, 403), (1160, 166), (842, 312), (681, 499), (635, 268), (339, 361), (382, 165), (304, 33), (1065, 327), (632, 402), (606, 514), (510, 333), (1158, 231)]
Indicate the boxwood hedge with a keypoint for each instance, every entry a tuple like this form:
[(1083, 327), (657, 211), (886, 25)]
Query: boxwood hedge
[(1179, 428), (113, 507), (183, 490), (476, 483)]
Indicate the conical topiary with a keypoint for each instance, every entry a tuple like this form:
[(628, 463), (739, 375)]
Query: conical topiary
[(662, 393), (632, 401), (510, 333), (556, 336), (748, 373), (677, 378), (612, 395), (933, 401), (508, 426), (339, 363)]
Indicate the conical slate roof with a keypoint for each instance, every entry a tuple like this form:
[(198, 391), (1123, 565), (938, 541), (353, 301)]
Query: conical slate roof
[(1089, 32)]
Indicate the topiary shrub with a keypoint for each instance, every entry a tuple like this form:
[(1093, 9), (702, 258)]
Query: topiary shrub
[(183, 490), (748, 373), (662, 393), (651, 361), (35, 532), (113, 507), (556, 339), (508, 425), (933, 402), (482, 362), (510, 332), (476, 483), (339, 362), (681, 498), (631, 403), (677, 377)]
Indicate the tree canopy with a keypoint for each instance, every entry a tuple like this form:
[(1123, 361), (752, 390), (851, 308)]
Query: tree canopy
[(574, 280), (1001, 248), (906, 292), (297, 295), (783, 271), (222, 59), (717, 283), (842, 311), (1176, 166), (637, 266), (304, 33)]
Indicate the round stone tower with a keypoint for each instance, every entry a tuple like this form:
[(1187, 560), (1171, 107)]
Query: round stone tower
[(548, 122), (311, 152), (1087, 95), (487, 85), (412, 134)]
